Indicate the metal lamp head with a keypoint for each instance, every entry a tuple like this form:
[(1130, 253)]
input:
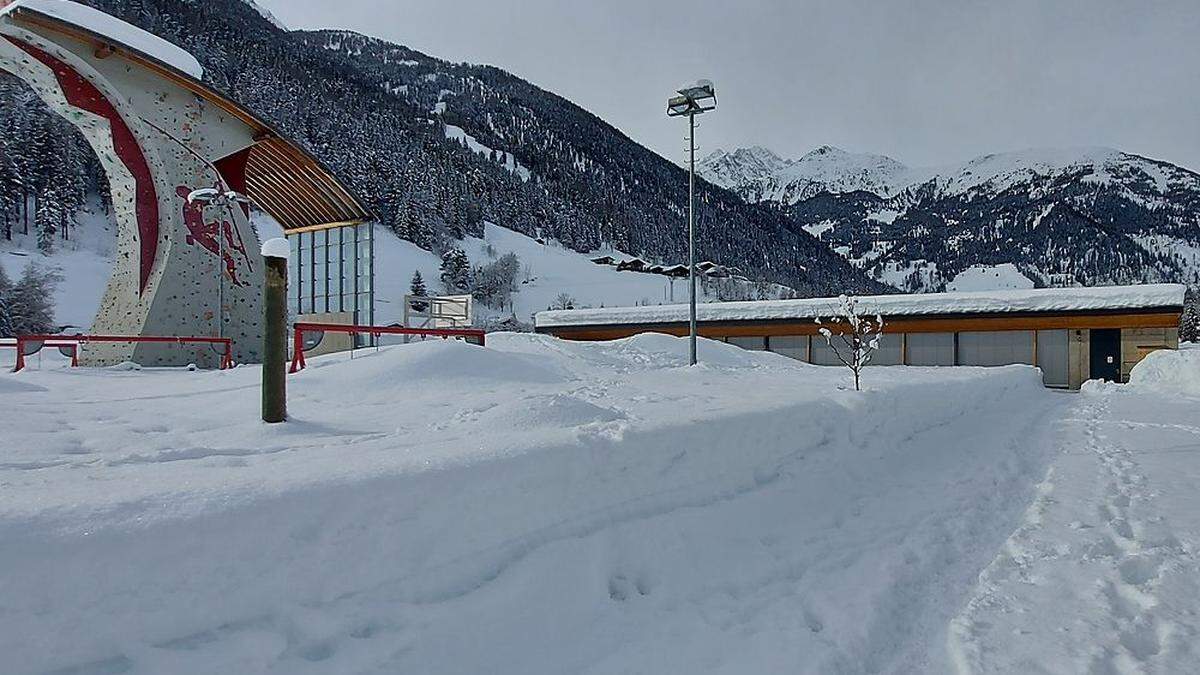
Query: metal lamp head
[(693, 99)]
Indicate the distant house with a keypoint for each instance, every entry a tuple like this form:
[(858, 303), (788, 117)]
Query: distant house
[(605, 260), (675, 271), (1072, 334), (709, 268), (632, 265)]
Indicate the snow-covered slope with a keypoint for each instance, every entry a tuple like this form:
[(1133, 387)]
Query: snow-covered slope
[(533, 507), (548, 270), (988, 278), (84, 264)]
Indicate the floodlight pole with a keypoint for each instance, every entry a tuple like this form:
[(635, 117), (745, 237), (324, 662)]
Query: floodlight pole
[(691, 101), (692, 238)]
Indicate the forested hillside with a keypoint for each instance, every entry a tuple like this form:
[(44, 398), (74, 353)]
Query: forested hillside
[(435, 149)]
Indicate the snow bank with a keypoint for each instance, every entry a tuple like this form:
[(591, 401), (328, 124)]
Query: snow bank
[(533, 506), (114, 30), (980, 302), (1168, 371)]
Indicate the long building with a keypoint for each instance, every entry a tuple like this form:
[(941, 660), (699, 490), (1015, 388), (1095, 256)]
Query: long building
[(1072, 334)]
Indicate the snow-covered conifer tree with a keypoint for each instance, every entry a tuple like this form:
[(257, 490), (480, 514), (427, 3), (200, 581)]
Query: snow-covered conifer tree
[(6, 322), (456, 271), (1189, 324), (417, 287), (853, 338)]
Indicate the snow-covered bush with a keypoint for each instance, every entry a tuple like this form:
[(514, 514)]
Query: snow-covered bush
[(28, 306), (852, 337), (495, 282)]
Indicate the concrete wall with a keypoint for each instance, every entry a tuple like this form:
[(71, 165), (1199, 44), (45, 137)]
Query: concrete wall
[(1136, 343), (332, 342)]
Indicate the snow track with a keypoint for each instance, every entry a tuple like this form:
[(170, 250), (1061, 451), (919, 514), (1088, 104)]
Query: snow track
[(1102, 576)]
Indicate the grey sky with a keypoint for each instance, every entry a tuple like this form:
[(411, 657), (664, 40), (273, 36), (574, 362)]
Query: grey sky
[(925, 81)]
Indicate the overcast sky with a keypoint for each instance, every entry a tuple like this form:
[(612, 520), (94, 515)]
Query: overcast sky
[(925, 81)]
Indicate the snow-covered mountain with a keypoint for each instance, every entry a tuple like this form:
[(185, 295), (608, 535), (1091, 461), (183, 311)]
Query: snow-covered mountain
[(758, 174), (1058, 216)]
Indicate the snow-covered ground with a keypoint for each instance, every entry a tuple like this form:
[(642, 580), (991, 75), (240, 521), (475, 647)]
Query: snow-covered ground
[(540, 506), (535, 506), (1103, 575)]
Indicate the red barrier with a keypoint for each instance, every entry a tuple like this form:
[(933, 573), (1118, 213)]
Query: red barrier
[(471, 334), (76, 340)]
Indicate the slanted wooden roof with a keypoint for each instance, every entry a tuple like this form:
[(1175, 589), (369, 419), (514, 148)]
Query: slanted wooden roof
[(281, 177)]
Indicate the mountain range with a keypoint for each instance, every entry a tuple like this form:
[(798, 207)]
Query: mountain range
[(435, 149), (1068, 216)]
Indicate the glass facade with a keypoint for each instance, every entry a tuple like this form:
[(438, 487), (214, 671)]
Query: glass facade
[(823, 354), (995, 348), (890, 351), (975, 348), (1053, 357), (754, 343), (791, 346), (930, 349), (332, 270)]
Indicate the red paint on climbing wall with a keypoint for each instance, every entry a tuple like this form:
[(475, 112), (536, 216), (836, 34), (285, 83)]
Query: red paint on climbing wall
[(85, 96), (203, 233)]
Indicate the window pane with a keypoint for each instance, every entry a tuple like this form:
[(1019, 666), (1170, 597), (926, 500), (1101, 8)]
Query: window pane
[(930, 349), (753, 343), (1052, 349), (889, 352), (823, 354), (995, 348), (792, 346)]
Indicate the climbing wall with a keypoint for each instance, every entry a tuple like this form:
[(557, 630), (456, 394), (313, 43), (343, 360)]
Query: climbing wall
[(180, 269)]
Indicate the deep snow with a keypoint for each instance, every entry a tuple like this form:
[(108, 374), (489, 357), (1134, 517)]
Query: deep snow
[(535, 506), (1103, 575)]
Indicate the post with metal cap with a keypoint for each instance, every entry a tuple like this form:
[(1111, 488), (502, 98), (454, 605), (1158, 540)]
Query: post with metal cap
[(692, 100), (274, 368)]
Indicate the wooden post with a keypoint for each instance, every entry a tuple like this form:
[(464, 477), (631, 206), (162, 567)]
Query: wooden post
[(274, 368)]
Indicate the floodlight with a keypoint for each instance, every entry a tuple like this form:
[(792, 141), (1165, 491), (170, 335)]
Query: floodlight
[(692, 100)]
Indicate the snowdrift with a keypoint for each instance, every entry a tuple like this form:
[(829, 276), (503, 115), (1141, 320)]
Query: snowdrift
[(535, 506), (1169, 371)]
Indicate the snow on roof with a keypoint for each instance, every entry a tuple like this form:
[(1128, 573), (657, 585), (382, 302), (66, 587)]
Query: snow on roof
[(981, 302), (113, 29)]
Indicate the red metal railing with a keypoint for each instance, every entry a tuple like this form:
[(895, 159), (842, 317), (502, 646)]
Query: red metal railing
[(299, 329), (76, 340)]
